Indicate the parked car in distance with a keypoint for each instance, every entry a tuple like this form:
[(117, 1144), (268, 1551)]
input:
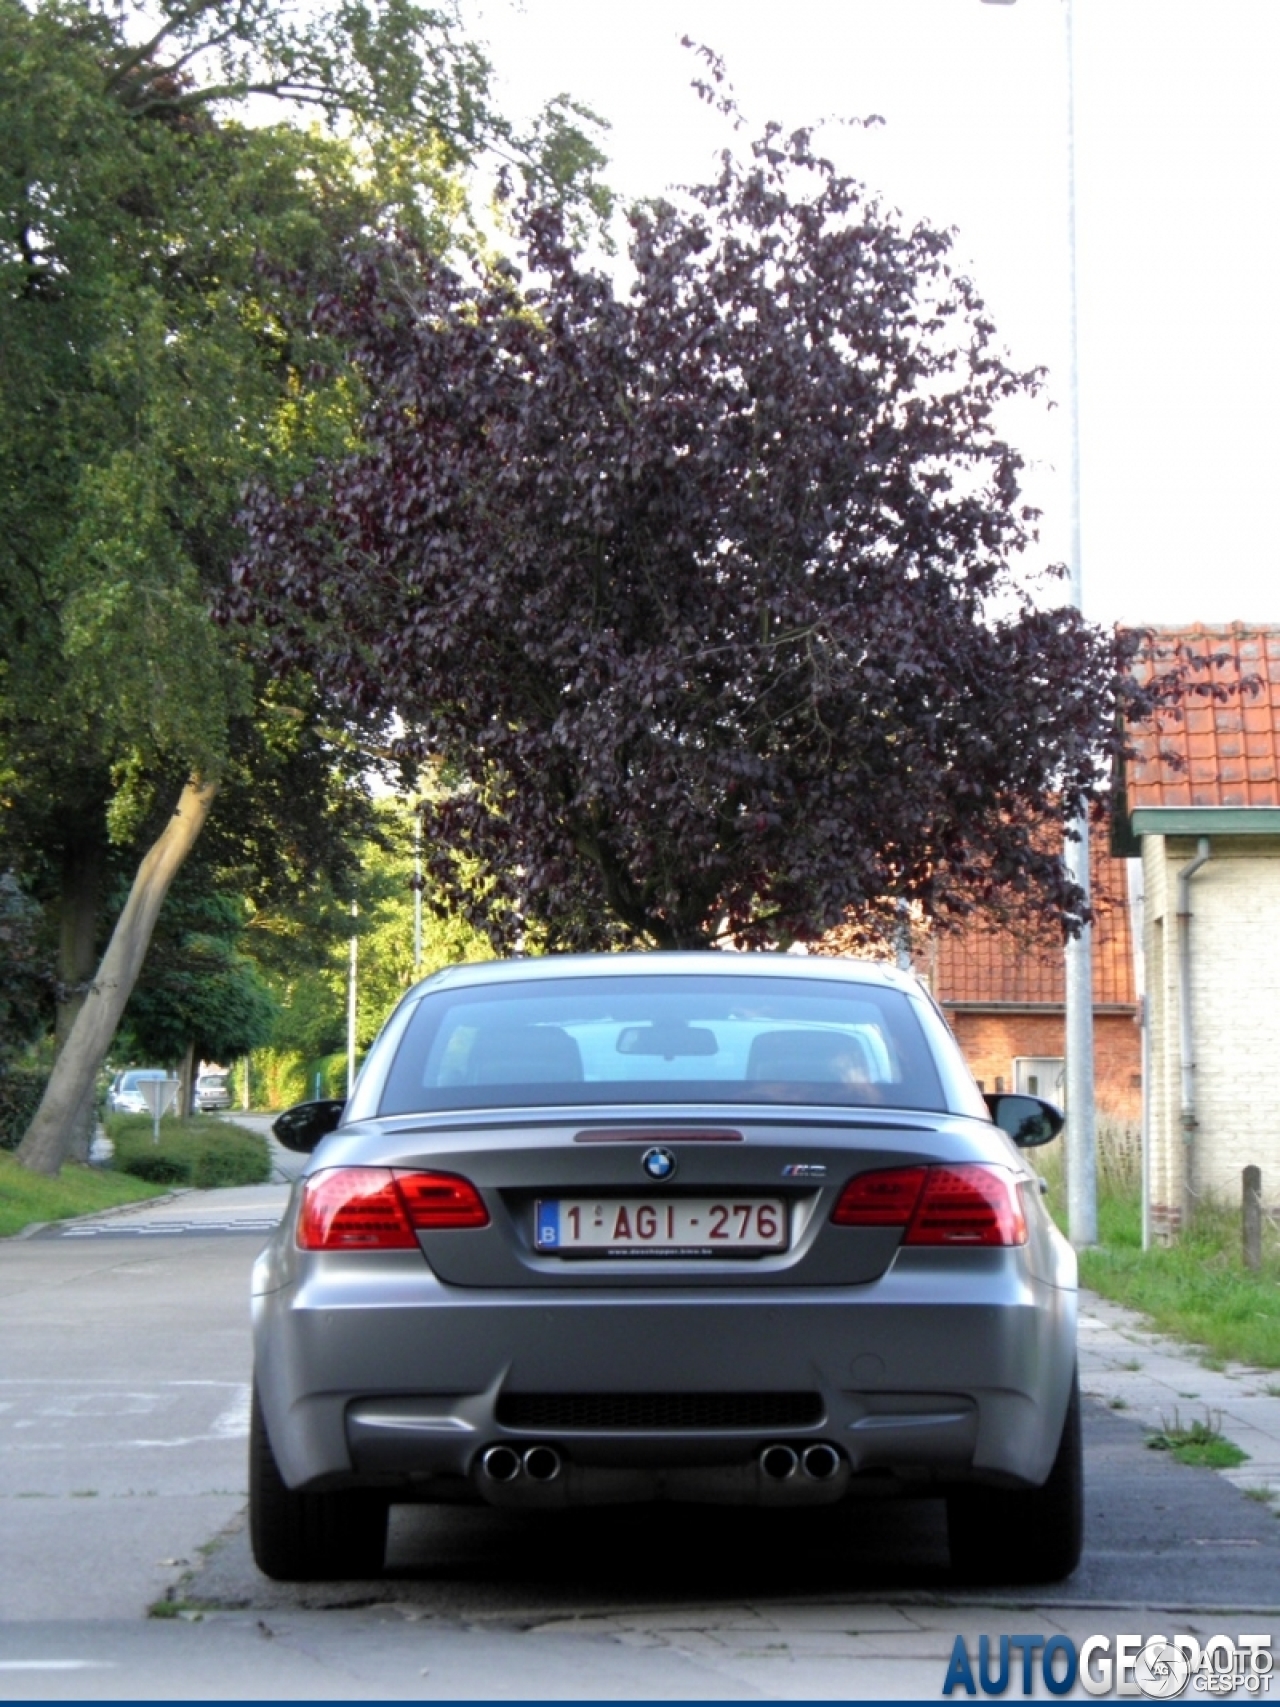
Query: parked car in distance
[(124, 1097), (212, 1092), (718, 1229)]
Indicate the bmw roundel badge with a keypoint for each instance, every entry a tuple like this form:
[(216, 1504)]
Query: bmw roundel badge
[(658, 1163)]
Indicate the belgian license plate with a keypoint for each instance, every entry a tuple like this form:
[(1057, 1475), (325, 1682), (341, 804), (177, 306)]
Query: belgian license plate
[(677, 1226)]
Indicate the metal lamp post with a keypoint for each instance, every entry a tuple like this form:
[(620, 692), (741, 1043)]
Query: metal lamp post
[(1082, 1194), (351, 999)]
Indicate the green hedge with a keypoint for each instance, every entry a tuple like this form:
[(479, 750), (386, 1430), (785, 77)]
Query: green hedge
[(20, 1094), (204, 1154), (278, 1077)]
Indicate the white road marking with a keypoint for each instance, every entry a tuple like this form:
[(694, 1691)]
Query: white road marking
[(48, 1406), (233, 1423), (108, 1404), (57, 1665)]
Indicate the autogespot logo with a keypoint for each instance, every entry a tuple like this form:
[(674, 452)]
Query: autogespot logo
[(1158, 1667)]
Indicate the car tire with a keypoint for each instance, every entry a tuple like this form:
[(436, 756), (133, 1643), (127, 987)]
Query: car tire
[(304, 1536), (1024, 1535)]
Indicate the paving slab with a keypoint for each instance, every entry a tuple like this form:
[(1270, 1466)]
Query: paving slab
[(1163, 1383)]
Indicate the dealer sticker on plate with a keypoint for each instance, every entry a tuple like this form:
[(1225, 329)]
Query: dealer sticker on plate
[(683, 1226)]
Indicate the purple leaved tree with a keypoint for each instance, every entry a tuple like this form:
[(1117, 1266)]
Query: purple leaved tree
[(703, 591)]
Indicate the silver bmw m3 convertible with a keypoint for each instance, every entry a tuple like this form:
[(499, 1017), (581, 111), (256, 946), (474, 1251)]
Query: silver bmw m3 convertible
[(733, 1228)]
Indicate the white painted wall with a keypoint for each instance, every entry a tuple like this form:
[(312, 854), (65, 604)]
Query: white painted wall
[(1235, 1014)]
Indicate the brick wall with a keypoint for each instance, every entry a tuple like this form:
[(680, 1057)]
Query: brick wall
[(991, 1040)]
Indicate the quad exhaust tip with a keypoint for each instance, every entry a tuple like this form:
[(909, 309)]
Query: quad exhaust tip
[(779, 1463), (542, 1463), (506, 1463), (501, 1464), (819, 1462)]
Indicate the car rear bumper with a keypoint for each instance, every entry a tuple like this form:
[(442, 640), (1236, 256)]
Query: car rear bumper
[(371, 1370)]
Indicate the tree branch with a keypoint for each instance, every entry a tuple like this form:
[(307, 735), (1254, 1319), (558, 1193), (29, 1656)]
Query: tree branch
[(142, 54)]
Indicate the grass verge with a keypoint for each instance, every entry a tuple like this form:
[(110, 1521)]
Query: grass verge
[(1197, 1290), (26, 1197)]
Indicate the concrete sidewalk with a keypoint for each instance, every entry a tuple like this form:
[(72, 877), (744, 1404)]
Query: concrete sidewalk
[(1164, 1384), (227, 1209)]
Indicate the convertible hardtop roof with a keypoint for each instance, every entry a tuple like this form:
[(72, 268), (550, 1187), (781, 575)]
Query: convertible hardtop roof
[(704, 963)]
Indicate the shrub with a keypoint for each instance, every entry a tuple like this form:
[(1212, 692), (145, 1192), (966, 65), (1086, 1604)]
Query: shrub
[(278, 1078), (212, 1153), (331, 1070), (20, 1094)]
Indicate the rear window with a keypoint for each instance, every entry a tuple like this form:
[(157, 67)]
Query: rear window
[(655, 1039)]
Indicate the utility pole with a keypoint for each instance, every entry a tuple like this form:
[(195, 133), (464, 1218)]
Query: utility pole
[(417, 893), (1081, 1130), (351, 1003)]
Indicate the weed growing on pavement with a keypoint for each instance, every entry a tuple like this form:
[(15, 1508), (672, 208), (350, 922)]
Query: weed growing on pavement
[(1264, 1495), (176, 1609), (1201, 1443)]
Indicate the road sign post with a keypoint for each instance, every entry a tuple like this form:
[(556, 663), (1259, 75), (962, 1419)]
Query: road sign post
[(158, 1094)]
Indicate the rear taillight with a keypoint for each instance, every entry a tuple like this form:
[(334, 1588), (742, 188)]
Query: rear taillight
[(964, 1203), (441, 1200), (882, 1199), (383, 1209)]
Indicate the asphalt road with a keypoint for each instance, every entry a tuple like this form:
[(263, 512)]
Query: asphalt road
[(1160, 1534), (124, 1379)]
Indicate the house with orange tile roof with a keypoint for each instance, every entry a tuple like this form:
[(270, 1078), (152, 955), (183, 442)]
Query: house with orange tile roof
[(1201, 796), (1004, 996)]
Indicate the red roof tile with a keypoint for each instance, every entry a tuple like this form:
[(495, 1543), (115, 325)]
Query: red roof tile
[(982, 966), (1217, 752)]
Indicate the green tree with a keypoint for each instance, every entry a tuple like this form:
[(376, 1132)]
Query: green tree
[(199, 996), (308, 951), (22, 987), (386, 922), (151, 242)]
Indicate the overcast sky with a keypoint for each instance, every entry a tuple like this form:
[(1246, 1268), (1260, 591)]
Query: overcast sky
[(1177, 168)]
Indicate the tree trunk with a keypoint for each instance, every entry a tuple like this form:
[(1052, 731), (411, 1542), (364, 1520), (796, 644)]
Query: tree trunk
[(49, 1137), (187, 1082), (79, 903), (81, 1125)]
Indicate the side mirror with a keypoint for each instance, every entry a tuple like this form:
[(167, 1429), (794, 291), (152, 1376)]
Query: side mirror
[(306, 1123), (1028, 1120)]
